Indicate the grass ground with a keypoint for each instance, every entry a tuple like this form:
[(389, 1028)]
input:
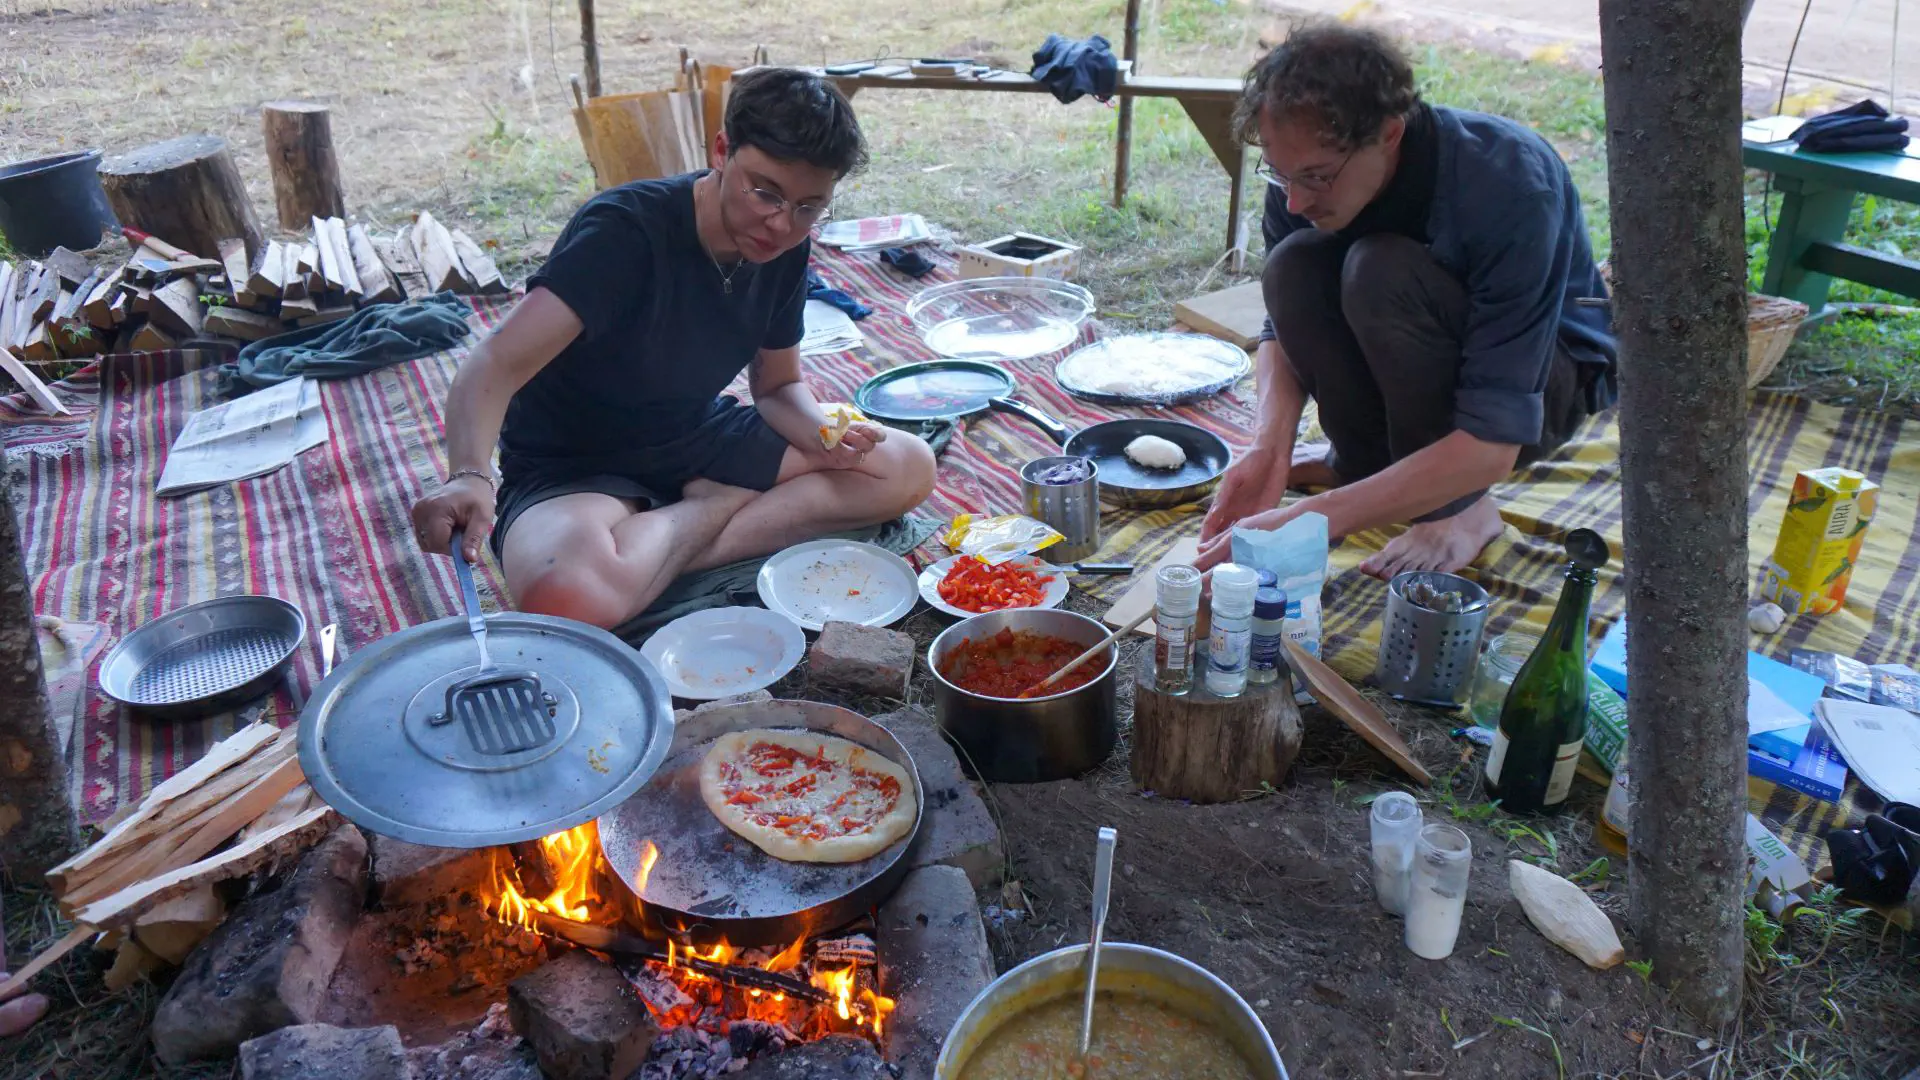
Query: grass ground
[(460, 105)]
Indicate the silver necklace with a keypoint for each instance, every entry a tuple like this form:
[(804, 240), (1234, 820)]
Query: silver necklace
[(726, 276)]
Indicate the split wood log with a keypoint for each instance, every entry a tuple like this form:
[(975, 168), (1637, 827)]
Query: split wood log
[(343, 255), (150, 338), (176, 307), (36, 388), (71, 266), (171, 930), (186, 190), (328, 260), (306, 173), (42, 292), (293, 311), (439, 260), (9, 280), (401, 260), (1209, 749), (268, 270), (291, 805), (718, 86), (377, 284), (98, 307), (38, 348), (235, 322), (325, 315), (486, 276), (233, 256), (293, 279), (131, 963), (127, 905)]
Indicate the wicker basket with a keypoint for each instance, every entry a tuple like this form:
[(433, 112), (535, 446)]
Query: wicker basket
[(1772, 321)]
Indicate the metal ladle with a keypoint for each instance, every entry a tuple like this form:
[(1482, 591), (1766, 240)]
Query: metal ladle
[(1102, 886)]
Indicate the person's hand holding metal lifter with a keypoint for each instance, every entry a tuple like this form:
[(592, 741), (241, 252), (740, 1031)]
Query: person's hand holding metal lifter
[(464, 501)]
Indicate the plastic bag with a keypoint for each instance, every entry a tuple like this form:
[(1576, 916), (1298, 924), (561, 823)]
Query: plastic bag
[(1296, 553), (994, 540)]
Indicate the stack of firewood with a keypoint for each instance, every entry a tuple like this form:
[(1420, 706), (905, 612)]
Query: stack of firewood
[(146, 888), (67, 308)]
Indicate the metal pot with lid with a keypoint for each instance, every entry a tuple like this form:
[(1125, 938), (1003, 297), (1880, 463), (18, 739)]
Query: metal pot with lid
[(381, 741)]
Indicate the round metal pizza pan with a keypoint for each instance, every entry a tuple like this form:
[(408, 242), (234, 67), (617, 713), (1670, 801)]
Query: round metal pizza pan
[(709, 884)]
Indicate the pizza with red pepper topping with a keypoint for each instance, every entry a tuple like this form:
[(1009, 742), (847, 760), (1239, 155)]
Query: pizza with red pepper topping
[(807, 797)]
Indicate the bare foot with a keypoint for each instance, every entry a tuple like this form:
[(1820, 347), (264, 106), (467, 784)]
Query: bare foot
[(1310, 468), (21, 1013), (1448, 544)]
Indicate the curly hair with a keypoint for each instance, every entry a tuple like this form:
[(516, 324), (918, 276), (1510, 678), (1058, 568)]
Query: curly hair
[(794, 115), (1345, 80)]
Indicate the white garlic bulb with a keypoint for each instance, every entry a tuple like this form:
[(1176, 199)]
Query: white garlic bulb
[(1768, 618)]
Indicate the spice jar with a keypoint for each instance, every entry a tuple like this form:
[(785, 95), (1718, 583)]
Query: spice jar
[(1437, 894), (1394, 825), (1230, 644), (1176, 607)]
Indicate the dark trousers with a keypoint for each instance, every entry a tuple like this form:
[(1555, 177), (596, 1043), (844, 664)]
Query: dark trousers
[(1373, 330)]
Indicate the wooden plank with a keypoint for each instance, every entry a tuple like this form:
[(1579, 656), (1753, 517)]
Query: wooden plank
[(127, 905), (176, 307), (1139, 596), (1858, 264), (685, 130), (486, 276), (1236, 315), (293, 280), (229, 321), (42, 293), (39, 963), (295, 310), (325, 315), (377, 284), (233, 256), (36, 389)]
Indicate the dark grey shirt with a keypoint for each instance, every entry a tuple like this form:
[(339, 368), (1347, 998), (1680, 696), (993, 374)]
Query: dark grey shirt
[(1504, 219)]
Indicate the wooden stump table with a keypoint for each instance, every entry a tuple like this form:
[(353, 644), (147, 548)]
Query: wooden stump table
[(1211, 749), (185, 191), (306, 173)]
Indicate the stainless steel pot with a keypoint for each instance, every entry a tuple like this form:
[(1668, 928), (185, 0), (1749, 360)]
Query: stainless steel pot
[(1033, 739), (1161, 976)]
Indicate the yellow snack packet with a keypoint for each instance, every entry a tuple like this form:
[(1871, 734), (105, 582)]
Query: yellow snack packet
[(994, 540), (840, 417)]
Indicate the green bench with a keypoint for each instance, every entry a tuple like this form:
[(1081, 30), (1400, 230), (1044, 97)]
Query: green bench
[(1807, 253)]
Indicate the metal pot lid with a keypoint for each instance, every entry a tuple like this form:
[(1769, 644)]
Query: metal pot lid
[(379, 744)]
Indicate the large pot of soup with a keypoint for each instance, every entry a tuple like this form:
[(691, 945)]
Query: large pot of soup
[(980, 667), (1156, 1015)]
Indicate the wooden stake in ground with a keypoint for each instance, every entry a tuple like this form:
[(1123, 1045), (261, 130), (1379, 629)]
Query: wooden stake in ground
[(38, 827), (306, 174), (185, 191), (1679, 281)]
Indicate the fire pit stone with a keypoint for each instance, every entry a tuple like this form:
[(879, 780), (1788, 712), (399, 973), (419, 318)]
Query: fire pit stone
[(406, 873), (325, 1052), (958, 831), (489, 1051), (836, 1057), (933, 960), (268, 965), (862, 660), (582, 1018)]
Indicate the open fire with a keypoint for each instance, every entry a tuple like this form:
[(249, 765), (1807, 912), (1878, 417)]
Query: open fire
[(807, 990)]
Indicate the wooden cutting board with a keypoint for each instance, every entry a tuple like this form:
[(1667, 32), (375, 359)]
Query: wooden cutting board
[(1235, 314), (1139, 596), (1363, 716)]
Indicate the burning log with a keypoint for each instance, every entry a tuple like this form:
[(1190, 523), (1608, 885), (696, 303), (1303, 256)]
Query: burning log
[(661, 994), (632, 947)]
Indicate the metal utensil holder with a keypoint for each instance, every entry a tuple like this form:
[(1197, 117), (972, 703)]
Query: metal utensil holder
[(1426, 656)]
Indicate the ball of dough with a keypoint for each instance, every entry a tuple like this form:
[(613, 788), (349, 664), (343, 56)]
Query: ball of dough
[(1766, 619), (1154, 452)]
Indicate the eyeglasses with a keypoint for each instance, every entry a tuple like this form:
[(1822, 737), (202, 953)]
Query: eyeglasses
[(804, 214), (1309, 182)]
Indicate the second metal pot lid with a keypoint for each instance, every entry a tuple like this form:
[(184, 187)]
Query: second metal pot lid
[(377, 743)]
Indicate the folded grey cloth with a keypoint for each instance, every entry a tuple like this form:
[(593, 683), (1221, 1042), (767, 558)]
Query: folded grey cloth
[(734, 585), (371, 338)]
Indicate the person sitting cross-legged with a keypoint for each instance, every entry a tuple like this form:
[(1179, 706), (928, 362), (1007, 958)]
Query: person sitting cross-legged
[(622, 463)]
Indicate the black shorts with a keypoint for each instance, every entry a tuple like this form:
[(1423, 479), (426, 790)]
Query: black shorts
[(733, 446)]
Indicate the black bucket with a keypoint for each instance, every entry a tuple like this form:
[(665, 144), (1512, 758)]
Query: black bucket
[(54, 202)]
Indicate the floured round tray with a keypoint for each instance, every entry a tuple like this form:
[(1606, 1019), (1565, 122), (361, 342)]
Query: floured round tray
[(1159, 368), (708, 883), (380, 744)]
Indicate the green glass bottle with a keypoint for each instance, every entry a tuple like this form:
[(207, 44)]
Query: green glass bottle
[(1543, 722)]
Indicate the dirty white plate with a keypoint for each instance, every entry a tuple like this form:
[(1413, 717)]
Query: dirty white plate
[(1054, 577), (838, 581), (720, 652)]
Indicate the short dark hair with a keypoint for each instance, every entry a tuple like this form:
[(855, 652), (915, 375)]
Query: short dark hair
[(1344, 80), (795, 115)]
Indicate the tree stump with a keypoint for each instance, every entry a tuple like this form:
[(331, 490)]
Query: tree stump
[(185, 191), (1210, 749), (306, 174)]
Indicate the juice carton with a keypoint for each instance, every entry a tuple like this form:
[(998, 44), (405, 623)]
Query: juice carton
[(1820, 540)]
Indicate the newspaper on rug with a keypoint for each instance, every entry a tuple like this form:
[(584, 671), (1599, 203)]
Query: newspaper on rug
[(245, 438)]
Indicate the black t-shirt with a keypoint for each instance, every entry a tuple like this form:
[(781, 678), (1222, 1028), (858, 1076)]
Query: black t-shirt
[(662, 338)]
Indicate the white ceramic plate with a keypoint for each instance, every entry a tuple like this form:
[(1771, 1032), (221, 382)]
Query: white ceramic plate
[(838, 581), (720, 652), (930, 578)]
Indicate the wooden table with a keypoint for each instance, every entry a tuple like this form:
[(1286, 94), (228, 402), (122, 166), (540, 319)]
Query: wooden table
[(1209, 103), (1807, 252)]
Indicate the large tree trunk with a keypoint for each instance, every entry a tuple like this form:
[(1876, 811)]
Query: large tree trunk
[(37, 824), (306, 173), (186, 191), (1679, 273)]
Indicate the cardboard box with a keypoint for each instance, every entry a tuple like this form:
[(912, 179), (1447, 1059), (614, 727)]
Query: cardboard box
[(1820, 540), (1020, 255)]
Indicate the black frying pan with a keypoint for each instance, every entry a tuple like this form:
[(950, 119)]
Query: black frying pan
[(1127, 484), (916, 396)]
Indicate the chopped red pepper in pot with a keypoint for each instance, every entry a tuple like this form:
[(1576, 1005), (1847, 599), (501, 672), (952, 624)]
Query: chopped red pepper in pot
[(1010, 662)]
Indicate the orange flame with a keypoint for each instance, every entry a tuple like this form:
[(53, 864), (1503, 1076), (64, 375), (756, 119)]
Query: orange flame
[(647, 859), (569, 857)]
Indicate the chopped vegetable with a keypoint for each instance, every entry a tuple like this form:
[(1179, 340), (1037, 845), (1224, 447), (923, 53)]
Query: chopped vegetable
[(972, 585)]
